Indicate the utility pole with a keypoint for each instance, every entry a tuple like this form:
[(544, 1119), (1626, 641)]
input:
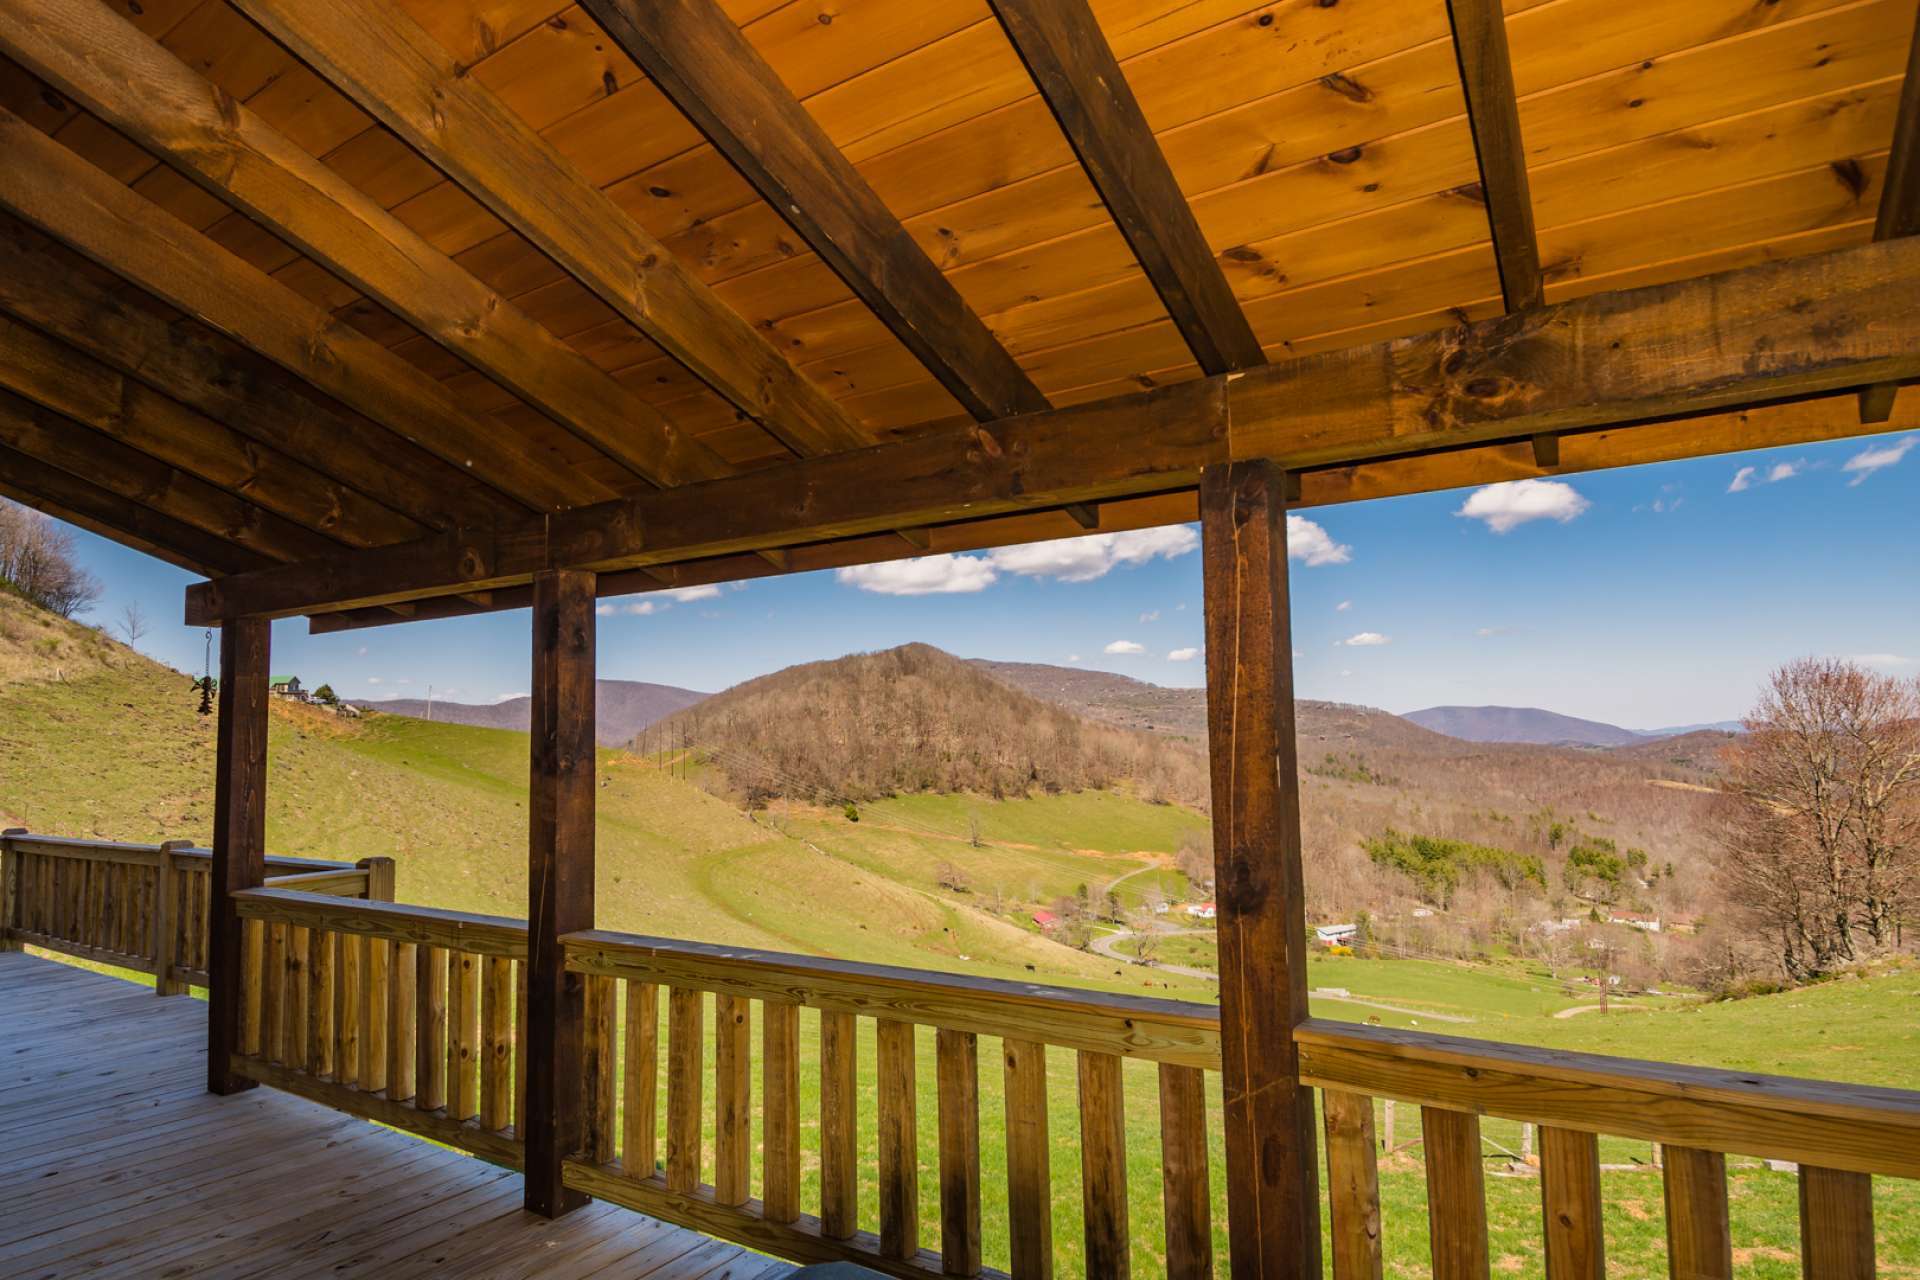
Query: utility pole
[(429, 702)]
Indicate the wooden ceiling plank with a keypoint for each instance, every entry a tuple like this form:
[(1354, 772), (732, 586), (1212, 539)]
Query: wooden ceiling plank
[(1072, 64), (1804, 327), (68, 497), (233, 385), (1899, 212), (1486, 73), (402, 76), (703, 62), (76, 386), (49, 187), (98, 59), (144, 480)]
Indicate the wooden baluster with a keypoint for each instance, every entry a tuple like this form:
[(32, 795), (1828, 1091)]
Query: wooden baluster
[(780, 1090), (430, 1034), (463, 1035), (1699, 1239), (87, 914), (685, 1045), (597, 1068), (253, 964), (1456, 1194), (640, 1084), (346, 1008), (957, 1070), (899, 1139), (1103, 1165), (403, 977), (1836, 1224), (164, 926), (203, 919), (520, 1047), (732, 1099), (113, 906), (11, 889), (321, 1040), (1353, 1184), (839, 1126), (376, 960), (126, 924), (496, 1044), (1570, 1195), (1185, 1178), (1029, 1180), (295, 1034), (273, 1004)]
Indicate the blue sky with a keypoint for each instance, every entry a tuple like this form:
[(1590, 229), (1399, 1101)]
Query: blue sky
[(1649, 596)]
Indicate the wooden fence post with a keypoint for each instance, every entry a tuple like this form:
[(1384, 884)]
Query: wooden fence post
[(1273, 1200), (166, 916), (9, 889), (560, 880), (379, 878), (239, 833)]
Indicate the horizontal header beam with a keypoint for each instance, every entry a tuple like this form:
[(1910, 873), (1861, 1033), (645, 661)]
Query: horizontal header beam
[(1781, 331)]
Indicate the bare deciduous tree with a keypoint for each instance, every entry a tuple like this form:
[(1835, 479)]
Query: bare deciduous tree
[(133, 624), (37, 560)]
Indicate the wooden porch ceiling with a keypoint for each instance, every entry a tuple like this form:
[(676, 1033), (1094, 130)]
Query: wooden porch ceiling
[(291, 280)]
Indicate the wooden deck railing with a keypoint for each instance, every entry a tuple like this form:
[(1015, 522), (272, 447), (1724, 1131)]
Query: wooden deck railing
[(405, 1015), (629, 1164), (139, 906)]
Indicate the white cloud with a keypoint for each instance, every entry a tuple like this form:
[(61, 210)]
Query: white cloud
[(1183, 655), (1125, 646), (1151, 615), (1882, 660), (1742, 480), (1868, 461), (1308, 543), (637, 608), (944, 574), (1513, 503), (361, 652), (686, 595), (1096, 554), (373, 680), (1782, 471), (509, 697), (1486, 632), (1343, 606), (1365, 640), (1073, 657)]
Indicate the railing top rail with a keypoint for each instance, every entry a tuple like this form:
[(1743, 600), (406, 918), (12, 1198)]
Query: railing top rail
[(1103, 1022), (457, 930), (124, 850), (1863, 1128)]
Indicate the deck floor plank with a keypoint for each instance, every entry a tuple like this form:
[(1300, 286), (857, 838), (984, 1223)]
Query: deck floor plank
[(115, 1160)]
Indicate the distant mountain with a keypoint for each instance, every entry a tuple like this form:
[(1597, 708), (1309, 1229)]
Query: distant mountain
[(1521, 724), (1674, 731), (622, 708)]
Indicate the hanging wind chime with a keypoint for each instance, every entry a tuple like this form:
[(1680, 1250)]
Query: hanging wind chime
[(205, 683)]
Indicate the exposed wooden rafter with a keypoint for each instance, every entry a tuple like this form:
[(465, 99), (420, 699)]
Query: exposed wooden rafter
[(1070, 61), (50, 187), (1486, 74), (1802, 327), (1899, 211), (381, 58), (100, 60), (700, 59)]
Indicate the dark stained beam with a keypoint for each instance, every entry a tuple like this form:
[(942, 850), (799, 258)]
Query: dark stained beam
[(143, 480), (699, 58), (100, 60), (1070, 61), (1899, 211), (1486, 74), (1273, 1199), (560, 802), (1801, 327), (47, 185), (1085, 514), (79, 501), (57, 377), (405, 78), (41, 285)]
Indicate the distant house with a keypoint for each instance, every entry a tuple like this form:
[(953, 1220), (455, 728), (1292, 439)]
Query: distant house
[(1683, 924), (1566, 924), (288, 687), (1635, 920), (1335, 935), (1047, 921), (1201, 910)]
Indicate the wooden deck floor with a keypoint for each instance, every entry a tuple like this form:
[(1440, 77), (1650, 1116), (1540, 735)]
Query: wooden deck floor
[(114, 1160)]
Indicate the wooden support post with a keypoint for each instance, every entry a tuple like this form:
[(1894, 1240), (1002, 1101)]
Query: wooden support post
[(11, 915), (165, 929), (379, 878), (560, 880), (239, 833), (1273, 1214)]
